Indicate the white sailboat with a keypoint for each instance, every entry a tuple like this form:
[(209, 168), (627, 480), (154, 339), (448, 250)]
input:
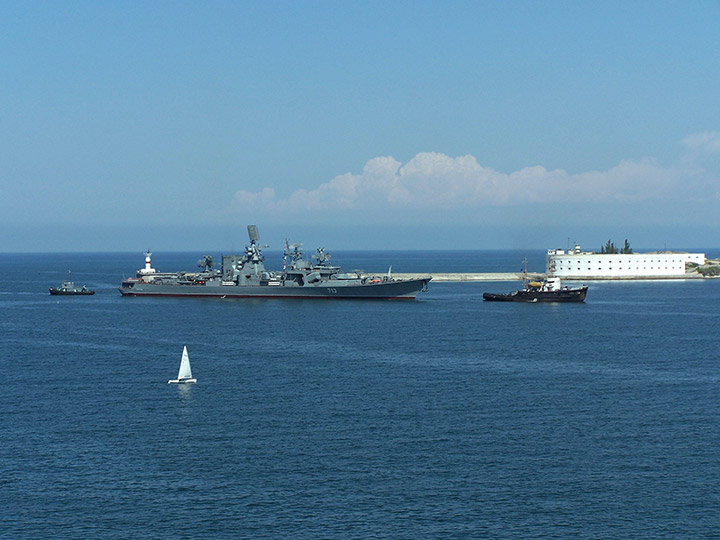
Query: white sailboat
[(184, 373)]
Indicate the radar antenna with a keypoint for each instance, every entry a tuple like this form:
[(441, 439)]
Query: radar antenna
[(206, 263), (293, 251), (321, 256), (253, 252)]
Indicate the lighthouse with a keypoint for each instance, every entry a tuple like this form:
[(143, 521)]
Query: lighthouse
[(148, 269)]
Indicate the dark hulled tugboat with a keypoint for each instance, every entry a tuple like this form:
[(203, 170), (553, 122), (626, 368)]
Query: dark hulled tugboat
[(68, 288), (548, 290)]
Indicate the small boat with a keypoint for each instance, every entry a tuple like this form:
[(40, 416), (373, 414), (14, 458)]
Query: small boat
[(68, 288), (184, 373), (548, 290)]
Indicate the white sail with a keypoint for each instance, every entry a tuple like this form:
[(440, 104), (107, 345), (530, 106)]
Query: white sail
[(184, 372)]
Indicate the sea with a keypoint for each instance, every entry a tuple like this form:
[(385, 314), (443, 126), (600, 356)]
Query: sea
[(443, 418)]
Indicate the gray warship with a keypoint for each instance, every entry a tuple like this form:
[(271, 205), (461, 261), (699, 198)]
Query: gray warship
[(245, 276)]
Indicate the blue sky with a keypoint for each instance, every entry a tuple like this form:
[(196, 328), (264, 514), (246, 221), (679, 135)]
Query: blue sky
[(172, 125)]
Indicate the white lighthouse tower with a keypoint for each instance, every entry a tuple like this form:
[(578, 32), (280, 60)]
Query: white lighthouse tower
[(148, 269)]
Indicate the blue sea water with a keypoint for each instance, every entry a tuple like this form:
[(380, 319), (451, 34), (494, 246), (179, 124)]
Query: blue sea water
[(445, 417)]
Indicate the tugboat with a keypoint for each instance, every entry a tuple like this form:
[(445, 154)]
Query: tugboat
[(68, 288), (548, 290), (245, 276)]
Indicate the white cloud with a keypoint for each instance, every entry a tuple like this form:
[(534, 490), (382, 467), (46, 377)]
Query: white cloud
[(434, 180), (705, 142)]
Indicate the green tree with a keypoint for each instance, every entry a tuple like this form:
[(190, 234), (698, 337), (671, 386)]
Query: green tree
[(609, 247), (626, 248)]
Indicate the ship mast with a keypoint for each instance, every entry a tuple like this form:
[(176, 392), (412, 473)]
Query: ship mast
[(148, 266)]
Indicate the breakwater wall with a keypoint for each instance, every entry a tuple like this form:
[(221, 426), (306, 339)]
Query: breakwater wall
[(465, 276), (517, 276)]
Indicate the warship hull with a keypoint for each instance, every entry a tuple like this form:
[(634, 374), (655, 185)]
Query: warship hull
[(393, 290)]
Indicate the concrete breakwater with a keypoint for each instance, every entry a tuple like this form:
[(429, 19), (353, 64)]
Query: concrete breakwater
[(465, 276), (518, 276)]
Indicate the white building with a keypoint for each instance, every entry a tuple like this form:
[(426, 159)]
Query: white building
[(576, 264)]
